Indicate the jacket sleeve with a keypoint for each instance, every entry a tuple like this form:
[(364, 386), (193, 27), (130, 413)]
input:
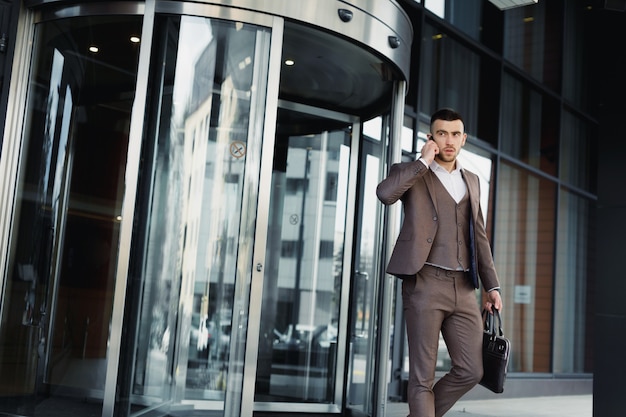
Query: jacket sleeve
[(401, 177)]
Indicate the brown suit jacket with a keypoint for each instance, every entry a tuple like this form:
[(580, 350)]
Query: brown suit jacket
[(412, 183)]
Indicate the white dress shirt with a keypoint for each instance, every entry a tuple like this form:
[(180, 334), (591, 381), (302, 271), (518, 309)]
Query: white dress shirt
[(452, 181)]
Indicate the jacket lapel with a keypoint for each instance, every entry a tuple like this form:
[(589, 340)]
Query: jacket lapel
[(472, 191), (428, 180)]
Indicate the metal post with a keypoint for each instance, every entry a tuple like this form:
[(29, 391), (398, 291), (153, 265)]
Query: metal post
[(386, 294)]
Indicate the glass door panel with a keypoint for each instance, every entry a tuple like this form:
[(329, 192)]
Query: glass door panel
[(302, 297), (57, 303), (190, 250), (365, 287)]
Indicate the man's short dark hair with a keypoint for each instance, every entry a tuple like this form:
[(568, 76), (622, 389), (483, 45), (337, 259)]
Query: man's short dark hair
[(446, 114)]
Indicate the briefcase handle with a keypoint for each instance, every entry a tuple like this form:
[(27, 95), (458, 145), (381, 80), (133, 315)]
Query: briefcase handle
[(490, 325)]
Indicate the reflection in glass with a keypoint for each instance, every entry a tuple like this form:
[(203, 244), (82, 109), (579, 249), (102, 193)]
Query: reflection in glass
[(407, 140), (58, 298), (191, 197), (479, 162), (365, 288), (576, 52), (573, 306), (576, 153), (450, 76), (438, 7), (373, 128), (521, 115), (304, 262), (525, 41), (464, 14), (531, 35), (524, 258), (529, 125)]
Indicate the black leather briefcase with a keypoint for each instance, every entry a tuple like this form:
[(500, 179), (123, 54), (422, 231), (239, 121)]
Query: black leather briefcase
[(496, 351)]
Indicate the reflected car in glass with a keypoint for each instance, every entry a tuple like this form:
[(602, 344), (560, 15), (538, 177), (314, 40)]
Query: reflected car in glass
[(303, 362)]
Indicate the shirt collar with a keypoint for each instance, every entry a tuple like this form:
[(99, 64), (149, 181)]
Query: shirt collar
[(434, 166)]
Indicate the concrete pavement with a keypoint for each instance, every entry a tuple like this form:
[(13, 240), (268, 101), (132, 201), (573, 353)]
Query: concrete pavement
[(559, 406)]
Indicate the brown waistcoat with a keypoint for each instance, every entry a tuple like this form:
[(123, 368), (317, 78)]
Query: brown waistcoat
[(450, 247)]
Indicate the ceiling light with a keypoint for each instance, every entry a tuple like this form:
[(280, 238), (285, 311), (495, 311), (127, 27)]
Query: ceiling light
[(134, 39), (93, 48), (509, 4), (290, 62)]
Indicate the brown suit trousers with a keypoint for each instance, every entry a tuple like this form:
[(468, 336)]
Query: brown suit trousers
[(437, 299)]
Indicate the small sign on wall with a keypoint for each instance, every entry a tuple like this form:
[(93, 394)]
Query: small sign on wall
[(523, 294)]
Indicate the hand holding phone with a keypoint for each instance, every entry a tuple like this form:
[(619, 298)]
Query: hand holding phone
[(429, 150)]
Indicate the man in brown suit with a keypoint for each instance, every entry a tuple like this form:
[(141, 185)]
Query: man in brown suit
[(433, 257)]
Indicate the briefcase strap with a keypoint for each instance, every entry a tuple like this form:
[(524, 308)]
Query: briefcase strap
[(490, 322)]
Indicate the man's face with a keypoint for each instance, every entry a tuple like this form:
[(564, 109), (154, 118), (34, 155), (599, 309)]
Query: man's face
[(449, 137)]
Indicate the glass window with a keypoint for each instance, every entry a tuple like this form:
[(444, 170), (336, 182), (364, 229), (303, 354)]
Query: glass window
[(492, 27), (407, 134), (574, 285), (480, 163), (524, 258), (438, 7), (529, 126), (532, 41), (576, 51), (451, 76), (478, 19), (373, 128), (464, 14), (577, 156)]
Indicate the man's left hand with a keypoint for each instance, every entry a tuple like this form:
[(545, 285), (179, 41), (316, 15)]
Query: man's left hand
[(493, 300)]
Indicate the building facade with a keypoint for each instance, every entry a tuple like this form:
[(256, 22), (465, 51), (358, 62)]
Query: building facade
[(188, 218)]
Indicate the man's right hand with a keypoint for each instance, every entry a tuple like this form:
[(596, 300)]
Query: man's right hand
[(429, 150)]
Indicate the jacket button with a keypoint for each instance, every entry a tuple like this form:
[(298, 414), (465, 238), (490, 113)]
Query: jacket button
[(429, 240)]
